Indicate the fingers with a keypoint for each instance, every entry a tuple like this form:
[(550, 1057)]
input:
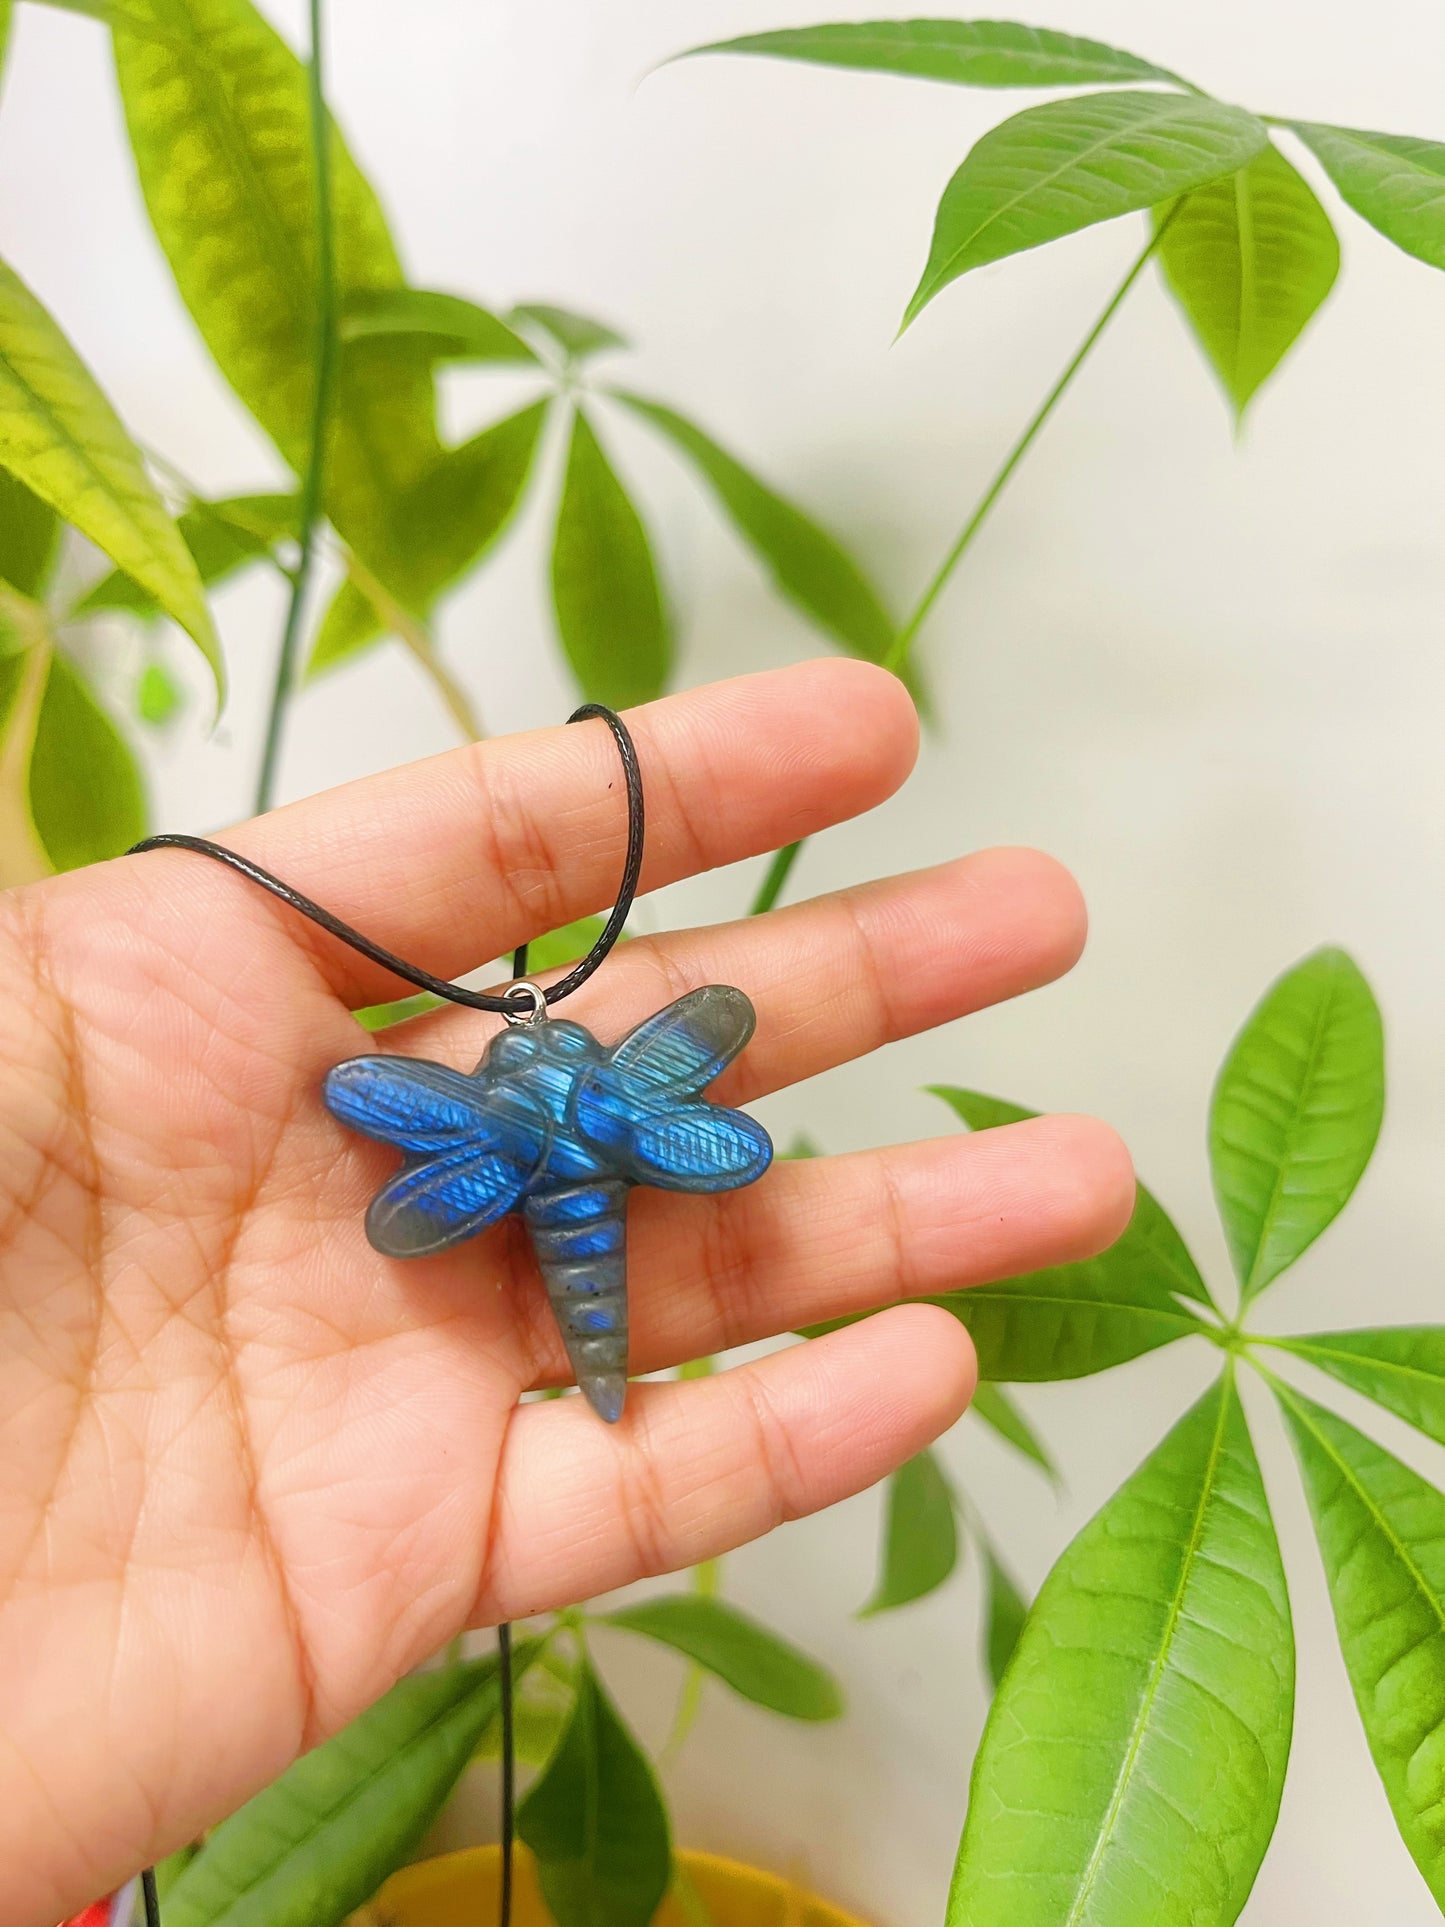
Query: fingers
[(837, 977), (694, 1470), (454, 860), (822, 1238)]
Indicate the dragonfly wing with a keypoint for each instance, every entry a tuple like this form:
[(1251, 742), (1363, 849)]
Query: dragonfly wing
[(683, 1048), (643, 1106), (697, 1147), (431, 1206), (472, 1146), (405, 1101)]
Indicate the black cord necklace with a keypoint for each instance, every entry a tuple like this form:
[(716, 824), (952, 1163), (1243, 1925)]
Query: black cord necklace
[(551, 1124), (504, 1005)]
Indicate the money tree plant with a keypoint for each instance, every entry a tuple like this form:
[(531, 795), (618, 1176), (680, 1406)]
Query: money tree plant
[(318, 1843), (1244, 244), (1131, 1768), (282, 254), (1134, 1758)]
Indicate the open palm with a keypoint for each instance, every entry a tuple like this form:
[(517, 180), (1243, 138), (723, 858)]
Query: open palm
[(250, 1471)]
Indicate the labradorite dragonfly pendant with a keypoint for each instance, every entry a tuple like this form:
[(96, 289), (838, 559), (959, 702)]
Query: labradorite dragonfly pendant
[(557, 1127)]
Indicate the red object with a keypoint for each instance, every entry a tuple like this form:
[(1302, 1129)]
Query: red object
[(97, 1914)]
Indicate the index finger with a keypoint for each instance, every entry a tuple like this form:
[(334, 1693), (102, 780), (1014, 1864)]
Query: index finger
[(454, 860)]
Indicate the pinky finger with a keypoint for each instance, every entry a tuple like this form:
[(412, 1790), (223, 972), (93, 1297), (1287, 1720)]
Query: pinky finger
[(695, 1469)]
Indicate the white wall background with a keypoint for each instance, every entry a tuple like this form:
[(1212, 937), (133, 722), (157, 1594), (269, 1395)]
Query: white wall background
[(1209, 676)]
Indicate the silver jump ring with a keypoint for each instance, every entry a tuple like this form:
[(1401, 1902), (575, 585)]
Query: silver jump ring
[(524, 990)]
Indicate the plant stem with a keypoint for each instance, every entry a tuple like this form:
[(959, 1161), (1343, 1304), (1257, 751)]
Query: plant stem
[(23, 858), (1276, 1384), (456, 699), (507, 1689), (902, 644), (415, 636), (898, 654), (311, 482), (772, 884)]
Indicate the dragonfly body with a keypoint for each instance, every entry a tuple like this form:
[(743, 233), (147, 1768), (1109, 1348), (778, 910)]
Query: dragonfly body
[(557, 1126)]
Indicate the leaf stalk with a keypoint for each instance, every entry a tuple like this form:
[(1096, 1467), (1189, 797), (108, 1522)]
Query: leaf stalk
[(901, 648), (325, 359), (416, 637), (772, 884), (898, 654)]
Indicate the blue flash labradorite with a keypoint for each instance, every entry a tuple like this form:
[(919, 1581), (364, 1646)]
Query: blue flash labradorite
[(557, 1127)]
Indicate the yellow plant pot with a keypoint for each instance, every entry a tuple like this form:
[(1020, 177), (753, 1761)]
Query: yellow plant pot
[(461, 1890)]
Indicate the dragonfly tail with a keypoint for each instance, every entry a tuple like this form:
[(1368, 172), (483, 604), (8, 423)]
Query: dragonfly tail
[(579, 1233)]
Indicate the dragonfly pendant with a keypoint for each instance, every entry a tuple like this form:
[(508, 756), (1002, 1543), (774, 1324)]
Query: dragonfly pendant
[(557, 1126)]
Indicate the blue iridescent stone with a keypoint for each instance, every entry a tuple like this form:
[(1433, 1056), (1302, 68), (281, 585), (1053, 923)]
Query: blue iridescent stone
[(556, 1126)]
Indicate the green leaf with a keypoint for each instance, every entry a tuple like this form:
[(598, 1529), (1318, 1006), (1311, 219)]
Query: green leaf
[(1401, 1367), (1072, 1320), (1396, 182), (1381, 1529), (169, 1870), (465, 502), (541, 1711), (1005, 1611), (1295, 1114), (322, 1838), (596, 1822), (1131, 1768), (1249, 259), (994, 1406), (969, 53), (735, 1649), (448, 522), (29, 533), (577, 335), (112, 13), (157, 697), (977, 1110), (605, 591), (86, 794), (802, 1146), (24, 673), (1068, 1322), (6, 11), (350, 625), (1052, 170), (217, 110), (222, 536), (62, 439), (398, 1011), (453, 328), (806, 564), (920, 1535)]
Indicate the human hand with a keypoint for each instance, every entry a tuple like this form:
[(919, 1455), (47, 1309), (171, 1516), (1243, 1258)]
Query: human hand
[(250, 1471)]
